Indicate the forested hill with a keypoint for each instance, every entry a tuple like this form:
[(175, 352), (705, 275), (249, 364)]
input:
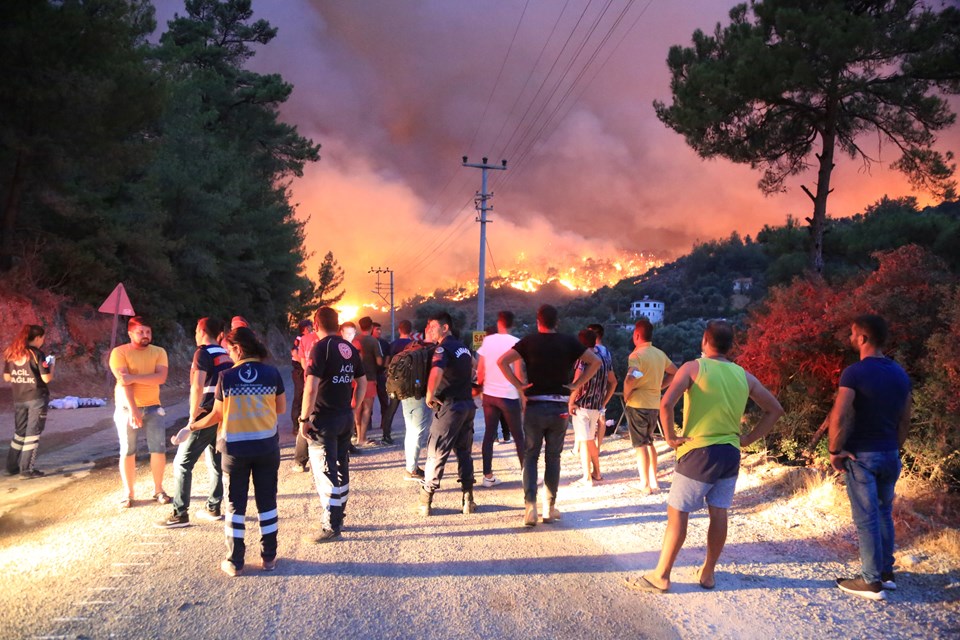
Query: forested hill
[(701, 283), (159, 162)]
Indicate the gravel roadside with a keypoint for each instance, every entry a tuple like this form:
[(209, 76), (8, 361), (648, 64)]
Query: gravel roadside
[(92, 571)]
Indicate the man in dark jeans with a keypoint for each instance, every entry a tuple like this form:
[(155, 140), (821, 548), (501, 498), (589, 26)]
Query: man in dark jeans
[(449, 395), (549, 357), (208, 361), (388, 406), (326, 419), (868, 425), (501, 401), (296, 373)]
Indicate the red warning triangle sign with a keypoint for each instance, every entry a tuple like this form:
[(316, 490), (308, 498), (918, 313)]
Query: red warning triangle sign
[(118, 302)]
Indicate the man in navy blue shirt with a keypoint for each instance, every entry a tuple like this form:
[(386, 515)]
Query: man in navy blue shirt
[(326, 418), (449, 395), (868, 425)]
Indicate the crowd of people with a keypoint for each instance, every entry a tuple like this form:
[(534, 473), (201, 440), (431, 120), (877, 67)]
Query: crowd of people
[(530, 387)]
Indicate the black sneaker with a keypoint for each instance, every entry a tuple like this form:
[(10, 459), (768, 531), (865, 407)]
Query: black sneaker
[(174, 521), (31, 474), (862, 588), (888, 581), (387, 440), (352, 449)]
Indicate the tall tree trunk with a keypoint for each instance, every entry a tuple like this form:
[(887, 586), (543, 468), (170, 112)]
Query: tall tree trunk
[(818, 224), (11, 210)]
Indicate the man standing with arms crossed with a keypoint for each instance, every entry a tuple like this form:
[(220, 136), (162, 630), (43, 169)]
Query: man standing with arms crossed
[(449, 395), (869, 423), (715, 392), (649, 371), (140, 368), (208, 361), (549, 358), (326, 419)]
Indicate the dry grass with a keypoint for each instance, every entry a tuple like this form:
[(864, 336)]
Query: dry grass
[(814, 501)]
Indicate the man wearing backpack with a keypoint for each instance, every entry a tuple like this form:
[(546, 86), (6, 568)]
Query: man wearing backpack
[(416, 415)]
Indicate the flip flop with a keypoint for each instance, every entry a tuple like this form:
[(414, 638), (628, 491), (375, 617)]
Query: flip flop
[(126, 503), (700, 582), (642, 584)]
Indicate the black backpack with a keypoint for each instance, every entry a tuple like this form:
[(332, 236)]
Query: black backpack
[(409, 370)]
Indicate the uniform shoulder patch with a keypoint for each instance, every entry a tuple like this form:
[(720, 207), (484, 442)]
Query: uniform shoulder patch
[(438, 350), (344, 349)]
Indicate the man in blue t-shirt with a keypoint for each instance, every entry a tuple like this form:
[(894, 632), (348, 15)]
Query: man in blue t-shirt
[(326, 419), (209, 360), (868, 425), (449, 395)]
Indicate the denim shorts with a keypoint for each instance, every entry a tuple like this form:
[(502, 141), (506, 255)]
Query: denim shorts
[(585, 424), (153, 426), (688, 495)]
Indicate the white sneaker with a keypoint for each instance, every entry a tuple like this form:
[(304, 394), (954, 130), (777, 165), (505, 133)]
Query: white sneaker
[(489, 482)]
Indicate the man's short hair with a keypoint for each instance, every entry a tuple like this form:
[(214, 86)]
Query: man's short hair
[(719, 335), (588, 338), (328, 319), (644, 327), (137, 321), (442, 317), (405, 326), (547, 316), (304, 324), (597, 329), (366, 322), (874, 328), (211, 327), (505, 318), (238, 321), (348, 325)]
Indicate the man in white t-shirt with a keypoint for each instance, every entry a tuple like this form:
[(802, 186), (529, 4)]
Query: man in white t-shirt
[(500, 398)]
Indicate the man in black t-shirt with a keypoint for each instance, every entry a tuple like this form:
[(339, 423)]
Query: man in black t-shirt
[(448, 394), (208, 361), (549, 358), (326, 418)]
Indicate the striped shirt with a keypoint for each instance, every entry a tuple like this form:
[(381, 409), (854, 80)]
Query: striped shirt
[(211, 359), (249, 393), (592, 394)]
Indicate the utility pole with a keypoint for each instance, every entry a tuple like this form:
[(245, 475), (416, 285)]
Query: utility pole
[(379, 289), (481, 202)]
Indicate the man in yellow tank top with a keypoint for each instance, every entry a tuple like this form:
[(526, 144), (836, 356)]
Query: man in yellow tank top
[(715, 392)]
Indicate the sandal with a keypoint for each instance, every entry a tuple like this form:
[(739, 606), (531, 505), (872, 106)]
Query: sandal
[(162, 497), (126, 503)]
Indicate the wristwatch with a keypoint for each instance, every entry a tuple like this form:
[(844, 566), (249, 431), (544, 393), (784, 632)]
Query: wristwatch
[(302, 420)]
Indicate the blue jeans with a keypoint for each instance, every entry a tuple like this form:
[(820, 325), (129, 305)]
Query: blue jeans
[(871, 479), (495, 409), (199, 442), (416, 417), (543, 421)]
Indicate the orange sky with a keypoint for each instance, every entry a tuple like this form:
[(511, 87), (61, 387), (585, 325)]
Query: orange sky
[(396, 92)]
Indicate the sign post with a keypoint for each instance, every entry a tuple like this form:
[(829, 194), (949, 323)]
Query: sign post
[(117, 303)]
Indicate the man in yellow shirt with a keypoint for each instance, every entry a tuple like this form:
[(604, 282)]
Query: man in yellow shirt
[(715, 392), (649, 371), (140, 368)]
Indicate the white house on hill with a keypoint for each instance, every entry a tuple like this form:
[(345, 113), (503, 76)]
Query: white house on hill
[(651, 309)]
